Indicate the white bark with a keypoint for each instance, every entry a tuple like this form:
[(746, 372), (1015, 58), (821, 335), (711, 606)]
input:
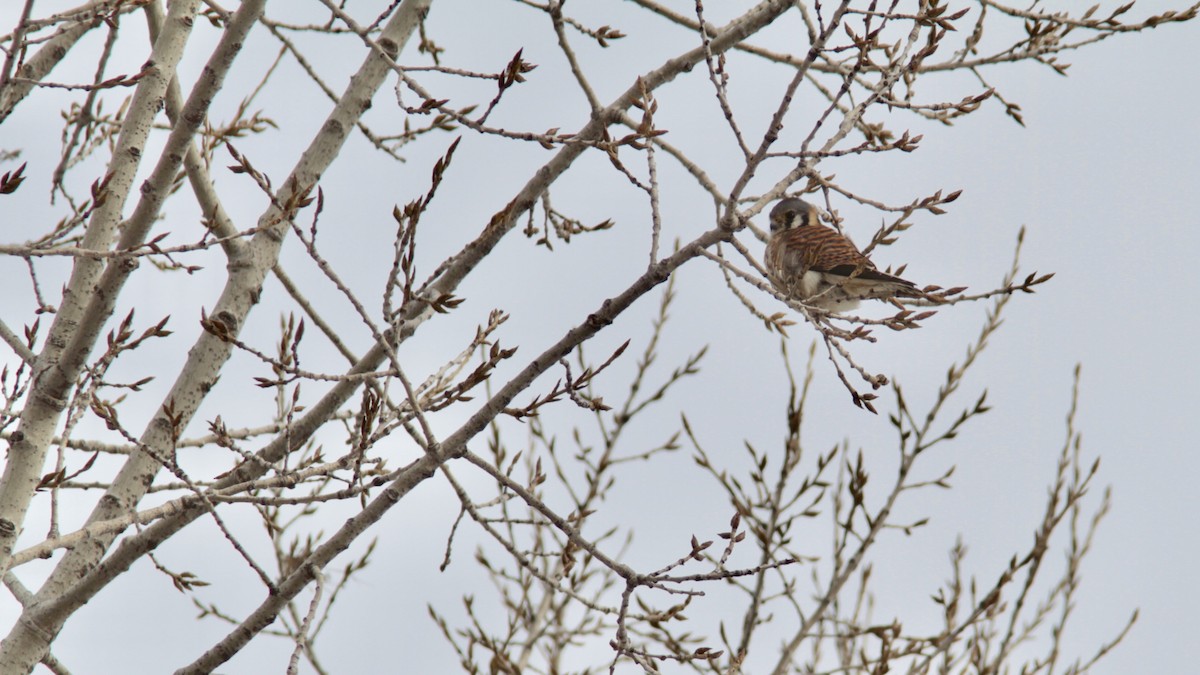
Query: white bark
[(63, 592), (64, 352)]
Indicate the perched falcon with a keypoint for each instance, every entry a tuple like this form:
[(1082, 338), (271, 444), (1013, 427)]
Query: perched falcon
[(820, 267)]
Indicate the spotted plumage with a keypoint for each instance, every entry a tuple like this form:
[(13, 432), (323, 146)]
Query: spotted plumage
[(820, 267)]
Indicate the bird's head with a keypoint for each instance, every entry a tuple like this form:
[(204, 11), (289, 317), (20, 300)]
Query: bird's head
[(791, 213)]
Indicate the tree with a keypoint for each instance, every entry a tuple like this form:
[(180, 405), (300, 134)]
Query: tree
[(388, 372)]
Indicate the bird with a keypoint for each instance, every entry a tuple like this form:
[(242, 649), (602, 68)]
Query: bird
[(820, 267)]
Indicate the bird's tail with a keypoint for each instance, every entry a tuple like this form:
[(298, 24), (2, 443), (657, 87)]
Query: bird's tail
[(932, 294)]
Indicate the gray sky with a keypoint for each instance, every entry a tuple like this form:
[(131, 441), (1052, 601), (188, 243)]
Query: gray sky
[(1101, 176)]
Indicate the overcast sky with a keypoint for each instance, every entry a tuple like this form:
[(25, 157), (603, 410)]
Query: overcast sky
[(1102, 176)]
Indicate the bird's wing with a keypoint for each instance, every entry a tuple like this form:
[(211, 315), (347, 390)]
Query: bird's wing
[(820, 249)]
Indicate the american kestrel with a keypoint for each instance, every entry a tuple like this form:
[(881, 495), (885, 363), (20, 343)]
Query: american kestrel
[(820, 267)]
